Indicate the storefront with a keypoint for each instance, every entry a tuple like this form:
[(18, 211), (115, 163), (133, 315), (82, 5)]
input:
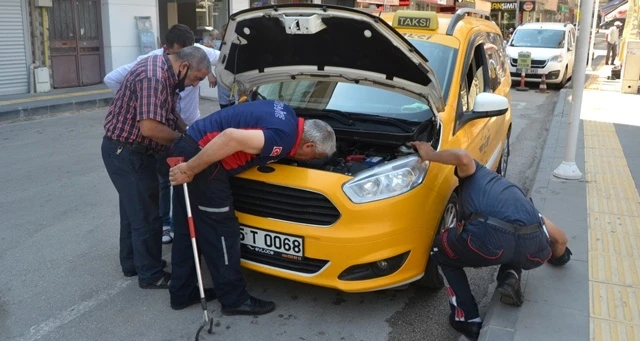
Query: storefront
[(503, 13)]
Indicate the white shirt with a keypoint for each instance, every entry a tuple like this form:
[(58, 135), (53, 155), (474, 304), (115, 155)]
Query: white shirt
[(613, 35), (188, 104)]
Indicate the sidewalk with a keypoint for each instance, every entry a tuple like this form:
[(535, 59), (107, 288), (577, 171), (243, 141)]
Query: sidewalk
[(596, 296), (58, 101), (24, 106)]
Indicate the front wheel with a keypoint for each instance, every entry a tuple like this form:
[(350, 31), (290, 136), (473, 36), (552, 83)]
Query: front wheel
[(562, 83), (432, 278)]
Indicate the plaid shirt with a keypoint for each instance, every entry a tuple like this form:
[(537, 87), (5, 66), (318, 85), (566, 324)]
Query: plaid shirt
[(147, 92)]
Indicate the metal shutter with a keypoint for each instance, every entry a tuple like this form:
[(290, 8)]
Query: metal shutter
[(14, 71)]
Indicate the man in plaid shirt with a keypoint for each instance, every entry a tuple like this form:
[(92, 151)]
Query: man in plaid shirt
[(141, 122)]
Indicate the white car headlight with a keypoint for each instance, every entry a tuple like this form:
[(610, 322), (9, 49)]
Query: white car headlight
[(387, 180), (556, 59)]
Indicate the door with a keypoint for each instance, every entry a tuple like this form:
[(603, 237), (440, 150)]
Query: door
[(475, 80), (75, 40), (571, 51), (14, 71)]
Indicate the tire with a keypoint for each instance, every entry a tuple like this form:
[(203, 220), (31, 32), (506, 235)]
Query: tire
[(562, 83), (432, 278), (503, 164)]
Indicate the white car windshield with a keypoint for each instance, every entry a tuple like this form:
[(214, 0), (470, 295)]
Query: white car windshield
[(542, 38)]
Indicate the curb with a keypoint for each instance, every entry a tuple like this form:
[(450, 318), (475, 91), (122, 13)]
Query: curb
[(501, 320), (35, 108)]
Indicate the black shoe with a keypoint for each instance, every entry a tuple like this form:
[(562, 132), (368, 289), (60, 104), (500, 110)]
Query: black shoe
[(194, 298), (252, 306), (162, 283), (509, 289), (134, 273), (471, 330)]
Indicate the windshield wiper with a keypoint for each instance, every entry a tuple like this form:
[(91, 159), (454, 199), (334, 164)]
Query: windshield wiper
[(335, 114), (393, 121)]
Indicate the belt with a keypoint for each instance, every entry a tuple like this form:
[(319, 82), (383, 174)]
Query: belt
[(134, 147), (508, 226), (190, 140)]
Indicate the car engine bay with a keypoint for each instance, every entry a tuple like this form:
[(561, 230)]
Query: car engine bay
[(352, 158)]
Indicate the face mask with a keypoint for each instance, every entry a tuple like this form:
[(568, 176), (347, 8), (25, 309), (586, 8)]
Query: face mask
[(180, 85)]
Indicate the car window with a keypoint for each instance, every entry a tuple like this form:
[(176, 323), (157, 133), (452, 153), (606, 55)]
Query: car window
[(473, 82), (442, 59), (497, 59), (544, 38), (346, 97)]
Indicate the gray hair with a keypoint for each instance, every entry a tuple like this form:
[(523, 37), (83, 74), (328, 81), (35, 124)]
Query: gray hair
[(196, 57), (320, 133)]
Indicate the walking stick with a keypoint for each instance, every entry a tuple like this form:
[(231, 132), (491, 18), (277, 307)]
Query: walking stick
[(174, 161)]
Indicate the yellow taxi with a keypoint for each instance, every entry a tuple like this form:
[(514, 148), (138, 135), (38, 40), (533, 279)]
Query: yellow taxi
[(364, 218)]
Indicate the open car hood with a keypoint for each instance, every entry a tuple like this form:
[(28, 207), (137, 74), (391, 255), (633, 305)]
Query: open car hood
[(309, 41)]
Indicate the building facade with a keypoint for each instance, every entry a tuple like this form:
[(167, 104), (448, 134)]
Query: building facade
[(74, 43)]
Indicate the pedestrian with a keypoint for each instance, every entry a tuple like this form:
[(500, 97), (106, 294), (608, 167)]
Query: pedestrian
[(216, 148), (188, 106), (498, 226), (612, 36), (224, 93), (211, 38), (139, 124)]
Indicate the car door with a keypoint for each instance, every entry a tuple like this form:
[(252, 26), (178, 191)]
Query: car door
[(500, 85), (571, 50), (474, 80)]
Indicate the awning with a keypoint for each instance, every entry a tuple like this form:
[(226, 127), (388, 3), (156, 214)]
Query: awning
[(618, 13), (611, 6)]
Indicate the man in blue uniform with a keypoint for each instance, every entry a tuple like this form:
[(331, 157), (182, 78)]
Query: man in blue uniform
[(218, 147), (499, 226)]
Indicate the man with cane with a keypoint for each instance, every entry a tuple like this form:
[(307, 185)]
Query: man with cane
[(216, 148)]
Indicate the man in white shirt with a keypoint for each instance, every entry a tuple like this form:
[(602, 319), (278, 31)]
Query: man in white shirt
[(612, 36), (188, 104), (178, 37)]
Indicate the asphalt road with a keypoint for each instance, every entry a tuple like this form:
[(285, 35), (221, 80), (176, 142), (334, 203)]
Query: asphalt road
[(60, 278)]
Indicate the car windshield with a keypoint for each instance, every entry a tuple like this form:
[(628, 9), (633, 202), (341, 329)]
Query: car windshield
[(544, 38), (346, 98), (442, 59)]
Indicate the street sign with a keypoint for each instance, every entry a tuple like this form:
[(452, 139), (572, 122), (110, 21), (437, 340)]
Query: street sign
[(524, 60)]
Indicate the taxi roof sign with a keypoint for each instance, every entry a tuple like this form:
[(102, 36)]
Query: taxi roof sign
[(421, 20)]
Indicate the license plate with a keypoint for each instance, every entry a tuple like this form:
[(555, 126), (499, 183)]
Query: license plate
[(528, 71), (272, 243)]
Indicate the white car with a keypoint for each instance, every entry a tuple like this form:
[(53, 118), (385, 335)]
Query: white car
[(552, 48)]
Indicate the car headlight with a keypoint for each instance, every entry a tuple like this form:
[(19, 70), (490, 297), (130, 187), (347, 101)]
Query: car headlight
[(387, 180), (556, 59)]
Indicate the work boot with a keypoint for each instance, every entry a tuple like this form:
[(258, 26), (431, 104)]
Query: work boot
[(194, 298), (252, 306), (471, 330), (509, 289)]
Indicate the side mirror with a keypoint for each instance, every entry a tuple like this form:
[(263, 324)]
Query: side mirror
[(490, 105)]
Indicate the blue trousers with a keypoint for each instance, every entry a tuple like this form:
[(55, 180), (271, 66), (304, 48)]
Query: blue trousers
[(480, 246), (134, 177), (217, 233)]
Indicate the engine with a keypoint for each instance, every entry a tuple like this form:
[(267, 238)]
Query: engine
[(351, 158)]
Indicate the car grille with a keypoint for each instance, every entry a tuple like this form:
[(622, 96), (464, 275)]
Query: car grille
[(306, 265), (535, 63), (284, 203)]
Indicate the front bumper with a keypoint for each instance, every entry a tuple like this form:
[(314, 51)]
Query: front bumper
[(554, 73), (397, 231)]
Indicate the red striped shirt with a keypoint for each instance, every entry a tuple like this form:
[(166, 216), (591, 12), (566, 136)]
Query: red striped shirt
[(147, 92)]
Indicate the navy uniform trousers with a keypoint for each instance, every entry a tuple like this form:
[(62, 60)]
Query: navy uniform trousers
[(479, 243), (217, 232)]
